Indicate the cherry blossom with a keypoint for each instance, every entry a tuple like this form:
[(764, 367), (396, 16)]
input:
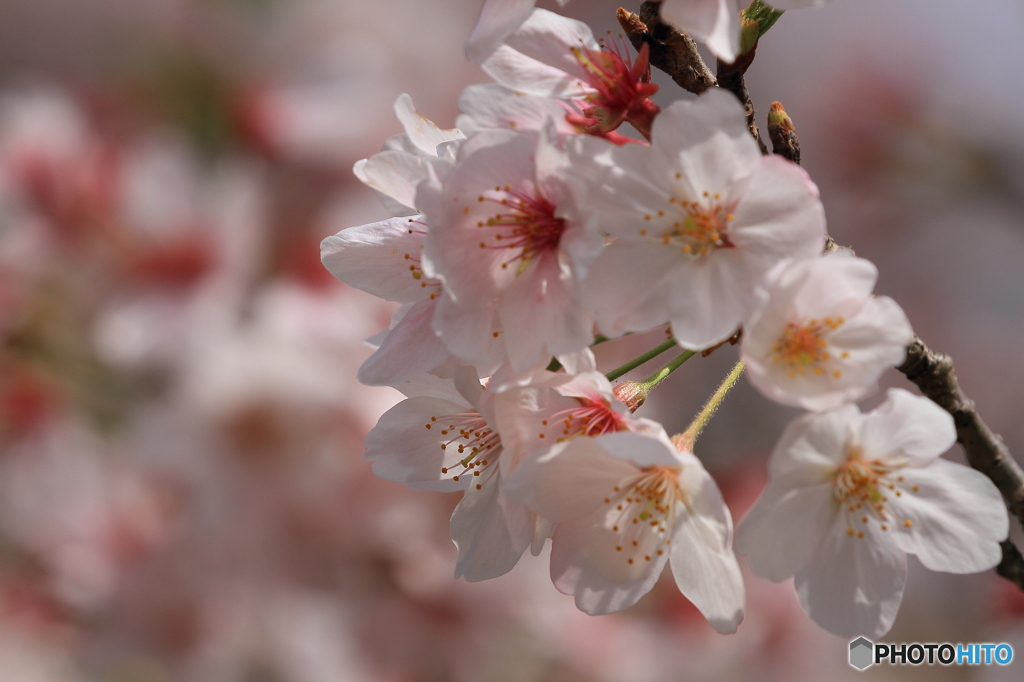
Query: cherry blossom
[(822, 339), (504, 239), (699, 218), (625, 503), (385, 259), (446, 440), (851, 494), (554, 56)]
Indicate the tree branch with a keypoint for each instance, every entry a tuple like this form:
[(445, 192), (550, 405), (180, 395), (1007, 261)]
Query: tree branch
[(672, 51), (730, 77)]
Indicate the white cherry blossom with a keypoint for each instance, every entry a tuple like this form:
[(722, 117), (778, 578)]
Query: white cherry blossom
[(385, 259), (554, 56), (851, 494), (504, 239), (446, 440), (698, 218), (625, 503), (821, 339)]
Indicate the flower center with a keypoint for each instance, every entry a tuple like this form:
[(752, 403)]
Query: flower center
[(526, 224), (862, 488), (415, 261), (803, 347), (695, 228), (594, 417), (642, 512), (471, 435), (622, 88)]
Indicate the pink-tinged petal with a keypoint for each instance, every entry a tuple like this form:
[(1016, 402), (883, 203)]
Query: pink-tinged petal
[(410, 348), (522, 415), (382, 259), (586, 563), (786, 525), (713, 22), (814, 441), (906, 428), (540, 316), (422, 131), (707, 139), (780, 214), (406, 444), (831, 285), (626, 287), (952, 517), (569, 481), (489, 162), (643, 450), (393, 174), (853, 585), (498, 19), (538, 57), (490, 532), (490, 105), (472, 334)]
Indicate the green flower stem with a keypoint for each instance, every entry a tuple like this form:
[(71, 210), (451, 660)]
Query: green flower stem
[(686, 439), (637, 361), (662, 374)]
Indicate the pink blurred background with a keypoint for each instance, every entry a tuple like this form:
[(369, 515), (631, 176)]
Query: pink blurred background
[(182, 493)]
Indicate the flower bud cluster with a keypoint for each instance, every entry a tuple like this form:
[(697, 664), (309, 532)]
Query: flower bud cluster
[(535, 225)]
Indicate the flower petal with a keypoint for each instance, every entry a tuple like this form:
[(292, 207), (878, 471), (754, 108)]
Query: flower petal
[(702, 559), (406, 444), (490, 532), (853, 585), (786, 525), (410, 348), (907, 427), (814, 440), (952, 517)]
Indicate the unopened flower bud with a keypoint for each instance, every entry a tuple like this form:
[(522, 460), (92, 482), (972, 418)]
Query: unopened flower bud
[(632, 393), (782, 133)]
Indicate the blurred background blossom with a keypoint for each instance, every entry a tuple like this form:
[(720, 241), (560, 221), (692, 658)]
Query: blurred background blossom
[(182, 492)]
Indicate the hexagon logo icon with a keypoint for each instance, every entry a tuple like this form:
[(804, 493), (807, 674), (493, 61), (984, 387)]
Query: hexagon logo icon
[(861, 653)]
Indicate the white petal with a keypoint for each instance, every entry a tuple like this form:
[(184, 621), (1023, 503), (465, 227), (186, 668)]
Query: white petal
[(491, 532), (541, 317), (468, 333), (410, 348), (401, 447), (569, 481), (498, 19), (907, 427), (853, 585), (957, 517), (374, 258), (786, 525), (537, 58), (422, 131), (707, 139), (394, 174), (817, 441), (780, 214), (714, 22), (626, 286), (586, 563), (702, 559), (491, 105)]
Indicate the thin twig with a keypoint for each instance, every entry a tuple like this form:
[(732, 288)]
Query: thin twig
[(932, 372), (730, 77)]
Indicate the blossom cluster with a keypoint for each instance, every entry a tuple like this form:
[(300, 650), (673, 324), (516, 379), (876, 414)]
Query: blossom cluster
[(534, 228)]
